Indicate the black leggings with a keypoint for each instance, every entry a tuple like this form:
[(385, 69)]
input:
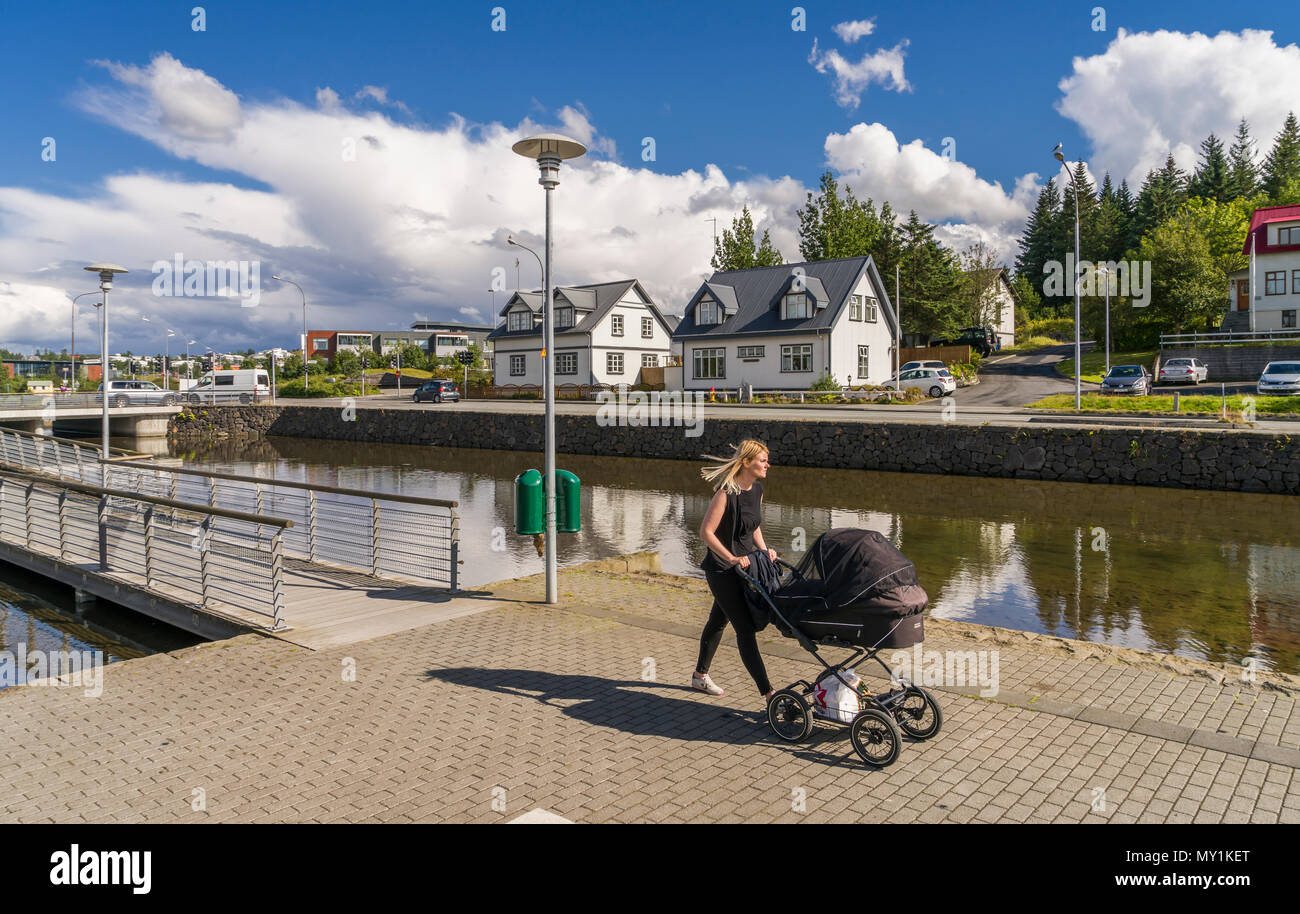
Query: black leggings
[(729, 606)]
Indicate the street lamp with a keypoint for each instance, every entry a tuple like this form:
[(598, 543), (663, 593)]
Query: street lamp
[(1106, 271), (166, 352), (1078, 364), (105, 271), (73, 379), (549, 149), (306, 372)]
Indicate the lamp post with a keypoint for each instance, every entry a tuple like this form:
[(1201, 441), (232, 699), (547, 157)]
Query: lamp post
[(105, 271), (166, 352), (549, 150), (1105, 271), (1078, 365), (73, 324), (306, 371)]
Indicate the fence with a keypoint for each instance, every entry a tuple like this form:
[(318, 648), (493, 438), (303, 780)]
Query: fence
[(209, 557), (402, 537), (1228, 337)]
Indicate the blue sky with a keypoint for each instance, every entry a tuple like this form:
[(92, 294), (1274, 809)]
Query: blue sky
[(218, 123)]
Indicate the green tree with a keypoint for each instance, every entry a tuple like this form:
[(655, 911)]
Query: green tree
[(1163, 192), (1243, 173), (1188, 290), (1037, 243), (345, 363), (831, 227), (1282, 164), (931, 280), (290, 368), (736, 250), (413, 356), (248, 362), (1210, 181)]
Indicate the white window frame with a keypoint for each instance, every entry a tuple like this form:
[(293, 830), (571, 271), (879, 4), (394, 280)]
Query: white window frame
[(564, 317), (717, 357), (613, 359), (708, 308), (870, 309), (647, 327), (855, 308), (796, 301), (793, 351), (566, 363), (518, 320), (616, 324), (520, 367), (649, 360), (864, 361), (749, 352)]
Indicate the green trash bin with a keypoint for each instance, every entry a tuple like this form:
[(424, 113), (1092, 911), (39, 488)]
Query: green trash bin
[(568, 503), (530, 506)]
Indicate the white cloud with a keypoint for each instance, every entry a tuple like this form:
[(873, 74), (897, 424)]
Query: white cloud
[(185, 101), (1150, 94), (872, 161), (327, 99), (380, 95), (884, 66), (850, 32)]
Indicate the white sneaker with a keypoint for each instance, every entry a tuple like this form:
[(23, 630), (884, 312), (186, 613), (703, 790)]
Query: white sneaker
[(704, 684)]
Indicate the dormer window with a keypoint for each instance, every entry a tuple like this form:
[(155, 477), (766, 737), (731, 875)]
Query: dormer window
[(563, 318), (1289, 235), (520, 320), (708, 312), (796, 307)]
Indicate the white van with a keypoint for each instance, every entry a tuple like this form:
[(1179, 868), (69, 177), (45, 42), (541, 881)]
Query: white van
[(223, 385)]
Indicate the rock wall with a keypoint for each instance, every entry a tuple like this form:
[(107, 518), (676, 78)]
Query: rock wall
[(1242, 461)]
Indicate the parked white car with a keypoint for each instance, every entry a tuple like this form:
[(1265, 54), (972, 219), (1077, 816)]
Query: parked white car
[(937, 382), (123, 392), (922, 363), (1180, 371), (1279, 378)]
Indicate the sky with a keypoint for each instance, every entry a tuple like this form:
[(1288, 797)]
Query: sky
[(363, 151)]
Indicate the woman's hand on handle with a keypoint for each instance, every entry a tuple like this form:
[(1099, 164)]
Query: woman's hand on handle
[(741, 560), (771, 554)]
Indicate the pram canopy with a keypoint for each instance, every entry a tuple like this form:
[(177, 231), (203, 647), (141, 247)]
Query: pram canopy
[(856, 585)]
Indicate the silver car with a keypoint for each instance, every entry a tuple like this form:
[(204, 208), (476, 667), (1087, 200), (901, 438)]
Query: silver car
[(1127, 379), (1177, 371), (1279, 378), (136, 393)]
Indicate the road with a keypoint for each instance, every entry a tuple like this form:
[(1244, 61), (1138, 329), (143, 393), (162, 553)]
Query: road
[(1020, 379)]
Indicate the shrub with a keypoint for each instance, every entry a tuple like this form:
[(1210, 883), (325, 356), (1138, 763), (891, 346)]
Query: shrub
[(826, 382)]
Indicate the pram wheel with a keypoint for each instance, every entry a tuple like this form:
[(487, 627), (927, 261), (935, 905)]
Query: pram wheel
[(876, 738), (918, 714), (789, 716)]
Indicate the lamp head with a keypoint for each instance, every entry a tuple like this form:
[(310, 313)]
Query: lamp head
[(1058, 155), (105, 271), (549, 149)]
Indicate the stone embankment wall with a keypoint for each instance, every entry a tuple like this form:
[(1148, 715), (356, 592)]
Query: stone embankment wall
[(1246, 462)]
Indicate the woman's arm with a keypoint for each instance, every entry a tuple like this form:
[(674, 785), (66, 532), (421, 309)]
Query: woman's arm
[(713, 517), (758, 533)]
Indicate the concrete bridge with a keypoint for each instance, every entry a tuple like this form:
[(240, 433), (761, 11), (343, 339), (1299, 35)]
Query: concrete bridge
[(82, 412)]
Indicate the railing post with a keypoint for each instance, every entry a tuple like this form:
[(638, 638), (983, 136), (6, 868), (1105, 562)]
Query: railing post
[(204, 577), (103, 533), (455, 549), (311, 525), (148, 546), (63, 523), (257, 490), (212, 492), (277, 579), (27, 512), (374, 537)]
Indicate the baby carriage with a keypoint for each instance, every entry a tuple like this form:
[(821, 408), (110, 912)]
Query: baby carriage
[(854, 590)]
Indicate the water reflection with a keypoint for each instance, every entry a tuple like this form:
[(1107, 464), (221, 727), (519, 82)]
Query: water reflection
[(1204, 574)]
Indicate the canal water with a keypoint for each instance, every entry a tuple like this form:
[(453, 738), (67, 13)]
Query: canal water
[(1212, 575)]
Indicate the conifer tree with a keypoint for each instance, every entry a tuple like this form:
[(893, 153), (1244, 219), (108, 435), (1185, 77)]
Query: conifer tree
[(1210, 182), (1243, 173), (1282, 164), (735, 248)]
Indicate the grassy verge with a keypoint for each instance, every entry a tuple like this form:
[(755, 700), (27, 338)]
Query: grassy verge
[(1029, 345), (1204, 405), (1094, 363)]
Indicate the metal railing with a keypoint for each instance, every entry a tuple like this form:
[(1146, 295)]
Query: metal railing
[(210, 558), (1228, 337), (400, 537)]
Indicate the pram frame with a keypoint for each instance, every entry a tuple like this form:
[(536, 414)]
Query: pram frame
[(885, 703)]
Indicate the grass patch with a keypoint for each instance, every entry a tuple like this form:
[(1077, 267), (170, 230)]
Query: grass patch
[(1029, 345), (1205, 405), (1094, 363)]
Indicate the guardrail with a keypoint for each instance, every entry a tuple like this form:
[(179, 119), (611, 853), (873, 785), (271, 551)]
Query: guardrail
[(211, 558), (1228, 337), (402, 537)]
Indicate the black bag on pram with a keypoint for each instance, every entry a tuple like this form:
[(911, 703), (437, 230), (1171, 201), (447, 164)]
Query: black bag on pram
[(854, 586)]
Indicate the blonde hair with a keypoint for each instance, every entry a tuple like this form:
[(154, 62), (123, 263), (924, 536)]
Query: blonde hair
[(723, 474)]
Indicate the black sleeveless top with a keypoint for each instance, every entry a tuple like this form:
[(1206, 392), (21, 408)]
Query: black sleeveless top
[(741, 517)]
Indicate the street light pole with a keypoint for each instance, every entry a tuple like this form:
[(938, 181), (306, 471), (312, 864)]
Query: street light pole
[(306, 372), (105, 271), (1106, 272), (1078, 363), (74, 336), (549, 150)]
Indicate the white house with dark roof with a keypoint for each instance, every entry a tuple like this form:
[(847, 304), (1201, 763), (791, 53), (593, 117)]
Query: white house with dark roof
[(604, 334), (784, 327)]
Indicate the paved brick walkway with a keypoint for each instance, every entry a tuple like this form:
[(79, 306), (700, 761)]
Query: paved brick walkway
[(488, 716)]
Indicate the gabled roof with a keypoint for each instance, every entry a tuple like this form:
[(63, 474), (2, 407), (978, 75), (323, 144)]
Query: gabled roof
[(533, 300), (599, 297), (758, 292), (1259, 222)]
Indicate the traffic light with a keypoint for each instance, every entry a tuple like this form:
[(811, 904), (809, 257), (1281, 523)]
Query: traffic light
[(465, 357)]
